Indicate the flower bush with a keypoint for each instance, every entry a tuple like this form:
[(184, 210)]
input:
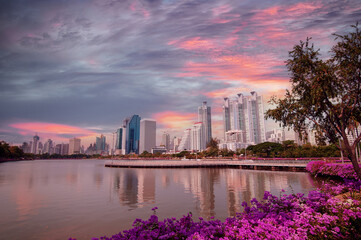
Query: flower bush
[(331, 169), (318, 216)]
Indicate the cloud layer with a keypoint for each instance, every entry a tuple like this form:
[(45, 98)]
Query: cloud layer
[(90, 64)]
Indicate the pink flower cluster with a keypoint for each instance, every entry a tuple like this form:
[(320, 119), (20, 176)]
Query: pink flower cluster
[(331, 169), (318, 216)]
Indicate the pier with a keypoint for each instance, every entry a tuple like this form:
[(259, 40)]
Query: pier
[(275, 165)]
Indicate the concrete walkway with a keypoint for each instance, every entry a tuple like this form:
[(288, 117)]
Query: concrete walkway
[(245, 164)]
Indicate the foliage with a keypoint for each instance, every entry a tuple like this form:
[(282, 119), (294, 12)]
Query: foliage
[(331, 169), (212, 148), (326, 94), (318, 216), (10, 152), (288, 149)]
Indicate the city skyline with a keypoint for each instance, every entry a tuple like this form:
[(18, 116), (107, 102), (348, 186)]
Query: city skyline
[(76, 69)]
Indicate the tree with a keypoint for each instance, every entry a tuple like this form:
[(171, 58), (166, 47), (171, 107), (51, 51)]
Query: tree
[(325, 94), (212, 148)]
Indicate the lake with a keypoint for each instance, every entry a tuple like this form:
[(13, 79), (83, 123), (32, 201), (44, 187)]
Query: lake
[(58, 199)]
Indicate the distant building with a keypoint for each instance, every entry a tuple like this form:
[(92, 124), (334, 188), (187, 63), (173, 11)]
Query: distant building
[(166, 140), (160, 149), (276, 135), (100, 144), (204, 116), (26, 147), (61, 149), (246, 114), (74, 146), (147, 136), (132, 135), (48, 147), (185, 141), (197, 140), (35, 144)]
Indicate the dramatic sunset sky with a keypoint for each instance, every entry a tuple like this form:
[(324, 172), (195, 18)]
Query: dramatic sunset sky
[(77, 68)]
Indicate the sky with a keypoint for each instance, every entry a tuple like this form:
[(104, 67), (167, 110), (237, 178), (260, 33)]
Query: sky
[(77, 68)]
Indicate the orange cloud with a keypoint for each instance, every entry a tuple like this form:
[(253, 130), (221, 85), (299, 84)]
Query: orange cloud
[(27, 128), (175, 119)]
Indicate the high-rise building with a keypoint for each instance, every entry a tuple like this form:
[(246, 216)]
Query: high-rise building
[(119, 140), (132, 135), (48, 147), (245, 113), (35, 144), (100, 144), (185, 143), (166, 140), (147, 136), (204, 116), (276, 135), (74, 146), (197, 137)]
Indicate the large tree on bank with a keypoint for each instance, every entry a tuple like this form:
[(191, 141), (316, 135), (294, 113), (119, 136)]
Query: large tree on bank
[(325, 94)]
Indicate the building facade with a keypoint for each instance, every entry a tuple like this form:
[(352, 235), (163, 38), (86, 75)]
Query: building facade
[(132, 135), (245, 114), (166, 141), (185, 142), (205, 116), (147, 136), (34, 148), (74, 146), (100, 144)]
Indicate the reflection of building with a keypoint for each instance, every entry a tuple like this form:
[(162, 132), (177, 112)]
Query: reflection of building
[(147, 136), (74, 146), (245, 113), (204, 116), (135, 186)]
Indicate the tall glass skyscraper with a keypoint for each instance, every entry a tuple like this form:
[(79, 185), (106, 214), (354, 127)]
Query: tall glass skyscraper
[(132, 135)]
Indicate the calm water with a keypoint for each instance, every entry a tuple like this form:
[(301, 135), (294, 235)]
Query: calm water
[(58, 199)]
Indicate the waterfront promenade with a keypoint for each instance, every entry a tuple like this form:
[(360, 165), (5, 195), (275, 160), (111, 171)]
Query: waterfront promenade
[(287, 165)]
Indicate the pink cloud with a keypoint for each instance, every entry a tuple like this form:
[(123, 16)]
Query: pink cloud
[(50, 129), (176, 120)]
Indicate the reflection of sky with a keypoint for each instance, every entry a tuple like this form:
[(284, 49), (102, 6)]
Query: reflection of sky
[(69, 198), (78, 68)]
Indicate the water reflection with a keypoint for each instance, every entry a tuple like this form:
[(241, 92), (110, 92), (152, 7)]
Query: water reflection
[(67, 198), (135, 187)]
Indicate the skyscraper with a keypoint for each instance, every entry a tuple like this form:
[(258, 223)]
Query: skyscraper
[(197, 137), (119, 139), (245, 113), (166, 140), (35, 144), (185, 141), (204, 116), (74, 146), (132, 135), (100, 143), (147, 136)]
